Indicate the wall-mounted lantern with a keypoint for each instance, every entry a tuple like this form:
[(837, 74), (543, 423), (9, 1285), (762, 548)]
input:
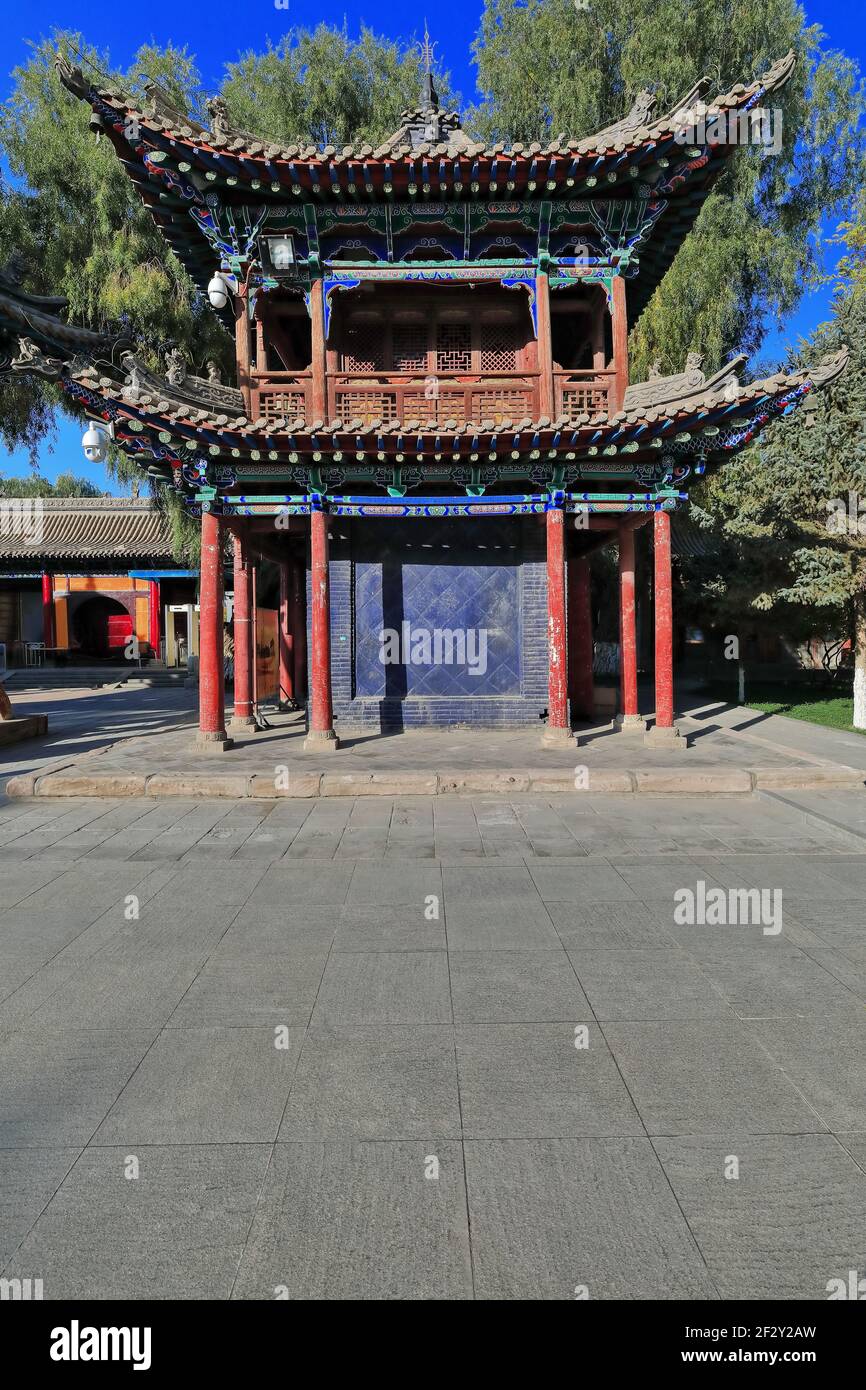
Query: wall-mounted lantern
[(278, 256)]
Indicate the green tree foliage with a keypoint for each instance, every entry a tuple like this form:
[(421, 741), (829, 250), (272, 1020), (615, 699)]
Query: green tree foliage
[(72, 212), (322, 86), (66, 485), (789, 515), (850, 273), (549, 66), (75, 218)]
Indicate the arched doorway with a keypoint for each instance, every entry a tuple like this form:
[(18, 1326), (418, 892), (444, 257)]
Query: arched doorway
[(101, 627)]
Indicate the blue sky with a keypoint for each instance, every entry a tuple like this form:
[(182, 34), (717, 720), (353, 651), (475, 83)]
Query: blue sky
[(214, 30)]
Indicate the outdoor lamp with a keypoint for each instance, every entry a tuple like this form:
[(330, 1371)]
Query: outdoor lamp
[(94, 442), (281, 252), (218, 291)]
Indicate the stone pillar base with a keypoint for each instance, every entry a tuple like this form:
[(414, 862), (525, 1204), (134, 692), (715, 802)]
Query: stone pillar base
[(556, 737), (212, 743), (630, 724), (240, 722), (321, 741), (288, 706), (669, 740)]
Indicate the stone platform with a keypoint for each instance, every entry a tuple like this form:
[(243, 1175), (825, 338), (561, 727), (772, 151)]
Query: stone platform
[(28, 726), (272, 763)]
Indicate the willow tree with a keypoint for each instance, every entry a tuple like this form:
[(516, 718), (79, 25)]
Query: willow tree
[(324, 87), (551, 66), (73, 216)]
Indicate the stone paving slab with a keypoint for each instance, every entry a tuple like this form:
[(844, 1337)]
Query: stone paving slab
[(784, 1226), (374, 1082), (177, 1230), (707, 1076), (560, 1218), (211, 1085), (349, 1220)]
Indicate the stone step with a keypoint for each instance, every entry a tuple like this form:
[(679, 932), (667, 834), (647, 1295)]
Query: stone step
[(237, 785)]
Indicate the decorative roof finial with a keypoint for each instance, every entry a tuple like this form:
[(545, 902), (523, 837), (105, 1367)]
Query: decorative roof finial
[(427, 50), (429, 97)]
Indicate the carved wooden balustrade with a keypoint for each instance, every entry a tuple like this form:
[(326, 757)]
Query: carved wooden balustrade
[(282, 395), (583, 393), (441, 398), (387, 397)]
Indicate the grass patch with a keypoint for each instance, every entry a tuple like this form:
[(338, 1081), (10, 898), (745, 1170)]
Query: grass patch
[(827, 707)]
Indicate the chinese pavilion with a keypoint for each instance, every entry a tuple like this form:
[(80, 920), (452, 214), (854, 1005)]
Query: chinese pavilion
[(433, 423)]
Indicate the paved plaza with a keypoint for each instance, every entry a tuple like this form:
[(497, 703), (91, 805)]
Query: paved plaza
[(431, 1048)]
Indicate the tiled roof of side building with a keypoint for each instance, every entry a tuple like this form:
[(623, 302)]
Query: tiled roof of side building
[(82, 528)]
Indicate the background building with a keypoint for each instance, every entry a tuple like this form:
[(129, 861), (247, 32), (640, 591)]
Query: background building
[(81, 577)]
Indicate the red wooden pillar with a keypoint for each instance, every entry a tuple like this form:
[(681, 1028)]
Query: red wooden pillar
[(628, 719), (154, 616), (664, 731), (299, 627), (243, 631), (287, 634), (243, 346), (580, 683), (619, 338), (318, 381), (664, 616), (211, 677), (557, 679), (320, 732), (546, 391), (48, 610)]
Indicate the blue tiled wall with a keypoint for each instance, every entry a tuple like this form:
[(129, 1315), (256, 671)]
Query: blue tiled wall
[(448, 574)]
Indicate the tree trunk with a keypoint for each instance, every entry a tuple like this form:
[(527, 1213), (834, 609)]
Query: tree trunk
[(860, 660)]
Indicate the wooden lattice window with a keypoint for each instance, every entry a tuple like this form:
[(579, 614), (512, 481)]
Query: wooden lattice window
[(367, 406), (283, 405), (364, 349), (453, 347), (498, 347), (501, 405), (409, 347)]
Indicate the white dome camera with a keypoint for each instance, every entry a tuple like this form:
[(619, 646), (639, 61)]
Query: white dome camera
[(94, 442), (218, 291)]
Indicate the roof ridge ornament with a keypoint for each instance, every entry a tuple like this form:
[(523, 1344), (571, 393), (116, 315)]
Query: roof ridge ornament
[(429, 95)]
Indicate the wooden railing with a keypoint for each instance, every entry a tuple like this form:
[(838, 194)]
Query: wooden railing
[(583, 393), (387, 397), (282, 395)]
